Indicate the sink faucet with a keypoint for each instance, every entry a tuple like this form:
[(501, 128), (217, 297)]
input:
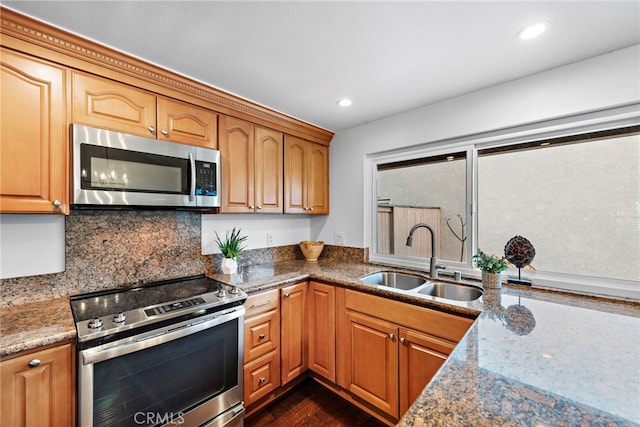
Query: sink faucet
[(433, 272)]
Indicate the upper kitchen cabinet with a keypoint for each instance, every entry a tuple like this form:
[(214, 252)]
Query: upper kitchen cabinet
[(33, 136), (306, 176), (252, 159), (115, 106)]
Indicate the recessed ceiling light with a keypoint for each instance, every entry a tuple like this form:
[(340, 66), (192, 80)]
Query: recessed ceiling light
[(532, 31), (344, 102)]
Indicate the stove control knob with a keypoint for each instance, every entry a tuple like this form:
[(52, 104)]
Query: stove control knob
[(119, 318), (95, 323), (235, 290), (221, 293)]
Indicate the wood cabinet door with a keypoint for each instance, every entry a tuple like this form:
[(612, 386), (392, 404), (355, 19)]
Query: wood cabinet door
[(186, 123), (372, 354), (317, 179), (295, 175), (421, 356), (322, 330), (115, 106), (33, 136), (236, 140), (269, 155), (41, 395), (293, 331)]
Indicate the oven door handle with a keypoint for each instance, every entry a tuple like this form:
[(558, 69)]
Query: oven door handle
[(154, 338)]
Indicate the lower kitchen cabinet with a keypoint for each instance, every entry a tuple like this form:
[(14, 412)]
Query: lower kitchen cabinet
[(261, 345), (322, 330), (390, 350), (421, 356), (293, 331), (372, 354), (275, 342), (37, 389)]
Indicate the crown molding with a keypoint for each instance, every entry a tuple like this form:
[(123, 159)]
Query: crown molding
[(40, 39)]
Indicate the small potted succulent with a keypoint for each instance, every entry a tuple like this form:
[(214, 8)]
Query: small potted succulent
[(230, 248), (491, 266)]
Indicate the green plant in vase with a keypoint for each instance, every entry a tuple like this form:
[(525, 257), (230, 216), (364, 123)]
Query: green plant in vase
[(230, 247), (491, 266)]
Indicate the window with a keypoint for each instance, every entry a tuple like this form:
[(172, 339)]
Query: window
[(570, 186), (577, 202), (429, 190)]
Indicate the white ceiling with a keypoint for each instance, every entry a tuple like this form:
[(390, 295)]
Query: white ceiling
[(300, 57)]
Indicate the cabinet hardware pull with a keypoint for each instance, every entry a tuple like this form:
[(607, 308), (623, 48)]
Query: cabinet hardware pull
[(164, 132), (259, 207), (391, 336), (267, 302), (262, 380), (403, 340), (57, 203), (34, 363), (151, 129), (250, 206), (286, 295), (310, 209), (261, 336)]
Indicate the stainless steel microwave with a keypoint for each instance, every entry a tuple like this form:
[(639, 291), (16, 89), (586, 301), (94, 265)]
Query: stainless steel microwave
[(113, 169)]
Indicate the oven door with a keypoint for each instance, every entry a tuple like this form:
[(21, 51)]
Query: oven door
[(184, 374)]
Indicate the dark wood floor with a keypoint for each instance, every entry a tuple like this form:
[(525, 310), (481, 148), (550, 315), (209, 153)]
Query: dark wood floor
[(311, 405)]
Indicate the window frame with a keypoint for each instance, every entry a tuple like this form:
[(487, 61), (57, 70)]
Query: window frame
[(623, 117)]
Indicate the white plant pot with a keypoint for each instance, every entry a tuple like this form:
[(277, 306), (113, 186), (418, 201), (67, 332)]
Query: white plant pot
[(229, 266), (491, 280)]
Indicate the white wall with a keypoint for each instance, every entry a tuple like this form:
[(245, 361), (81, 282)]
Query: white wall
[(282, 230), (31, 244), (597, 83)]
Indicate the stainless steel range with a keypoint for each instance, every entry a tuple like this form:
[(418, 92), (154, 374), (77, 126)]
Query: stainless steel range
[(168, 353)]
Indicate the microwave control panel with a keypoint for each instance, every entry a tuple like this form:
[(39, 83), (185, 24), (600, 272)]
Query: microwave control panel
[(206, 182)]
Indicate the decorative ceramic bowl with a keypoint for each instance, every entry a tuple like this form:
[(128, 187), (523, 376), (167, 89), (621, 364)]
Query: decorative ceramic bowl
[(311, 250)]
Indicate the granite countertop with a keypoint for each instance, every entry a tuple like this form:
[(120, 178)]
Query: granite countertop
[(32, 325), (532, 357)]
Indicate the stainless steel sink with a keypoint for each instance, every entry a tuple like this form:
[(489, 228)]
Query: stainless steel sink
[(451, 291), (420, 285), (394, 279)]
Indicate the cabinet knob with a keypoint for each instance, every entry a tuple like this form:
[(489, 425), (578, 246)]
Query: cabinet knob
[(250, 206), (261, 336), (259, 207), (57, 203), (310, 209), (286, 295), (34, 363), (391, 336), (403, 340), (262, 380), (164, 132), (152, 129)]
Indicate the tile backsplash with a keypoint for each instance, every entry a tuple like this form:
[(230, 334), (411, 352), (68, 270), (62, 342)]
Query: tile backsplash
[(111, 248)]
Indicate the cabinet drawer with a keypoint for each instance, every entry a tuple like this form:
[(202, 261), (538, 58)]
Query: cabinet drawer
[(261, 377), (261, 334), (261, 302)]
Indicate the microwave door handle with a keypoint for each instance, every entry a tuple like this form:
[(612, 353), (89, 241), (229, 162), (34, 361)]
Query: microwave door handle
[(192, 184)]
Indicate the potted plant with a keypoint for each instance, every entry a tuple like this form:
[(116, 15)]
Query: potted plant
[(230, 247), (491, 266)]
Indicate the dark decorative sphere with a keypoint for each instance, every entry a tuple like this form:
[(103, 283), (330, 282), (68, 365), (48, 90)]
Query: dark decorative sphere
[(519, 251)]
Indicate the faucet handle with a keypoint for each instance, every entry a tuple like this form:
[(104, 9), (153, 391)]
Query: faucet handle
[(441, 266)]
